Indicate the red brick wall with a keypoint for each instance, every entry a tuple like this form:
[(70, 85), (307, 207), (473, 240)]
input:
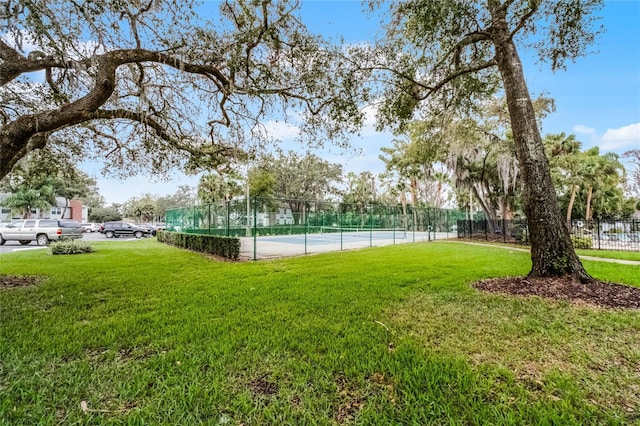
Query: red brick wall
[(76, 210)]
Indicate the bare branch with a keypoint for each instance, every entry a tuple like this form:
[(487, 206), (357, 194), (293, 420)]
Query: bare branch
[(14, 64), (467, 40), (488, 64), (402, 75), (142, 118), (160, 131), (8, 53)]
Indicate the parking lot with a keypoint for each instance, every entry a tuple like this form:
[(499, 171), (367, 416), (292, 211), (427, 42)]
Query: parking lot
[(11, 246)]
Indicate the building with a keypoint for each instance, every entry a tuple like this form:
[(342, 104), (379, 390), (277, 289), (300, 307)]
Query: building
[(284, 216), (73, 211)]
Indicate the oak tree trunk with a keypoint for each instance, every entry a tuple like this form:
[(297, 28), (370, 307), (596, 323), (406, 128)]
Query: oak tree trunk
[(552, 253)]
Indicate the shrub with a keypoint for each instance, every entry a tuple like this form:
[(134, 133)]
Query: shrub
[(228, 247), (614, 231), (71, 247), (582, 242)]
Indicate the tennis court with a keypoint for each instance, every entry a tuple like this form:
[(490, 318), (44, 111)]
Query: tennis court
[(278, 227), (274, 246), (330, 235)]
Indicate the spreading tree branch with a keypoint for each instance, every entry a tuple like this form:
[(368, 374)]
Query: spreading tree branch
[(458, 73), (535, 5)]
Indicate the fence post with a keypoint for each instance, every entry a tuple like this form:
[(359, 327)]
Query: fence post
[(255, 230), (447, 225), (247, 201), (598, 230), (393, 223), (228, 224), (371, 227), (306, 231)]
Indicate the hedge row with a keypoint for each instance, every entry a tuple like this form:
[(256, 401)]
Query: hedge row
[(228, 247)]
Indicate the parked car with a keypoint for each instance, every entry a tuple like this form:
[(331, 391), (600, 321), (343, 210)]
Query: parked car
[(123, 229), (90, 227), (40, 230), (149, 227)]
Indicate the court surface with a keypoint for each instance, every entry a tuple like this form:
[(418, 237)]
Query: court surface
[(274, 246)]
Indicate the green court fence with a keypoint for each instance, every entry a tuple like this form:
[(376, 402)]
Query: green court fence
[(263, 224)]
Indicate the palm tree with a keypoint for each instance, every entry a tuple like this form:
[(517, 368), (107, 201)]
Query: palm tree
[(24, 200), (600, 172), (215, 187), (360, 192), (439, 179), (565, 161), (634, 156)]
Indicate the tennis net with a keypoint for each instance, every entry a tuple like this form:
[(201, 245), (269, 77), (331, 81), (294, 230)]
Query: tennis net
[(386, 233)]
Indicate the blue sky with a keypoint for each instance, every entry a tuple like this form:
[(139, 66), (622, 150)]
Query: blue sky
[(597, 97)]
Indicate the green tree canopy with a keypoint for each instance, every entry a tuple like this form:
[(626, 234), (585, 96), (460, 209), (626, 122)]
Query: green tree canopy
[(442, 55), (300, 179), (54, 171), (360, 192), (24, 200), (216, 187), (104, 214), (160, 84), (634, 156)]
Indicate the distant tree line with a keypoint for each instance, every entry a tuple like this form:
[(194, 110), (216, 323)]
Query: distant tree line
[(420, 171)]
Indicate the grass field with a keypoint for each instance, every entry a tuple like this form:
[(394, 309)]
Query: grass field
[(143, 333), (611, 254)]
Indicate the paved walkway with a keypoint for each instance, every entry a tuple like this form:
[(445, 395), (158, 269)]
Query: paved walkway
[(593, 258)]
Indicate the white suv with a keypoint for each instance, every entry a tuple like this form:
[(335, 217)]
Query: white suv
[(90, 227)]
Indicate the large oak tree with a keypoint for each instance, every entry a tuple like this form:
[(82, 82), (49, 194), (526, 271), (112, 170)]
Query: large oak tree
[(163, 83), (444, 54)]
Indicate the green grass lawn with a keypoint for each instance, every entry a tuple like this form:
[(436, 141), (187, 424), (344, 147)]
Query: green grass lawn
[(611, 254), (145, 333)]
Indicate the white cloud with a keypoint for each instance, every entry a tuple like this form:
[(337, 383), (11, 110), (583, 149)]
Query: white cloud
[(280, 130), (622, 138), (370, 121), (579, 128), (370, 112), (27, 42)]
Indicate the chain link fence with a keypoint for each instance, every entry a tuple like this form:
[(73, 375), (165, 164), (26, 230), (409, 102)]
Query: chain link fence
[(271, 227)]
